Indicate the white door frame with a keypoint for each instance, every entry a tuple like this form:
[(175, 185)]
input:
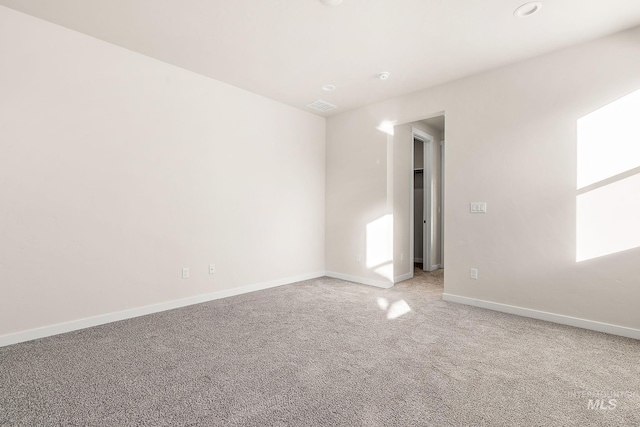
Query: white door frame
[(442, 204), (427, 215)]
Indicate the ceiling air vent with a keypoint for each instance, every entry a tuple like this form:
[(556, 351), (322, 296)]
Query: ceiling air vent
[(321, 106)]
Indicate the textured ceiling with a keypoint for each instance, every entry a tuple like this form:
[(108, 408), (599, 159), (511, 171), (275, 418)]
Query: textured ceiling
[(287, 49)]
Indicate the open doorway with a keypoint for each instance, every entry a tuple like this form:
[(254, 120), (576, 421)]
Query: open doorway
[(427, 226)]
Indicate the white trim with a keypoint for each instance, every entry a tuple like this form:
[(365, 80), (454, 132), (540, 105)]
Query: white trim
[(88, 322), (419, 260), (427, 228), (549, 317), (361, 280), (427, 238), (421, 135), (402, 277), (442, 159), (436, 267), (412, 180)]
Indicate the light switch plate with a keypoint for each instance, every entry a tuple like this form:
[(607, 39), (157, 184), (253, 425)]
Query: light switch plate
[(478, 207)]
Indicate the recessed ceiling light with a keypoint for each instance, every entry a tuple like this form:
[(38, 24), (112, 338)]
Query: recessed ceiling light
[(528, 9), (383, 75), (328, 88), (330, 2)]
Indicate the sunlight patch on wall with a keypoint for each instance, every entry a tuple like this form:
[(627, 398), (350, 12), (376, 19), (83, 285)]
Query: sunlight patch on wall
[(386, 127), (379, 246), (608, 219), (608, 180), (609, 140)]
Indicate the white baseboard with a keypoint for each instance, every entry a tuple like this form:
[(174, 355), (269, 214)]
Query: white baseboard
[(361, 280), (549, 317), (436, 267), (403, 277), (88, 322), (418, 260)]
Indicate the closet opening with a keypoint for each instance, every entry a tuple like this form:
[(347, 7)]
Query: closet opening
[(427, 161)]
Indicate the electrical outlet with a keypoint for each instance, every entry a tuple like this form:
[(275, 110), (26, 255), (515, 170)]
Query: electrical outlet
[(474, 273), (359, 258), (212, 269), (185, 272), (402, 256)]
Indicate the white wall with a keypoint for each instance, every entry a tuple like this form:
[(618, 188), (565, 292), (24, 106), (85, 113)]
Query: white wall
[(356, 196), (511, 142), (116, 170)]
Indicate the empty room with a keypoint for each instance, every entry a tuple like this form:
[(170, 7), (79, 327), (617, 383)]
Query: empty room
[(319, 213)]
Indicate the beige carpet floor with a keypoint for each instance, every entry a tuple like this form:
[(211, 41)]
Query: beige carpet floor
[(324, 352)]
